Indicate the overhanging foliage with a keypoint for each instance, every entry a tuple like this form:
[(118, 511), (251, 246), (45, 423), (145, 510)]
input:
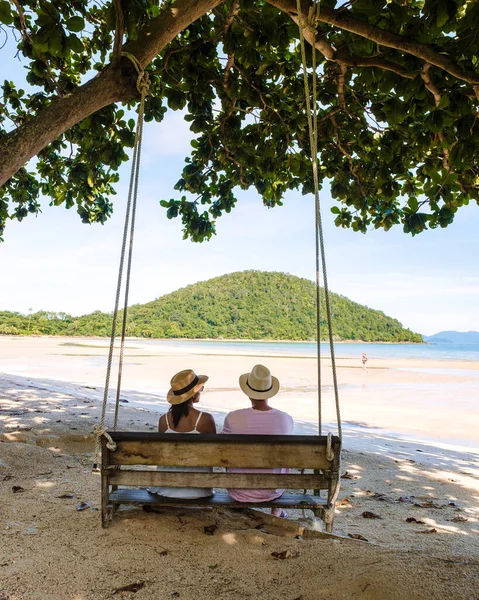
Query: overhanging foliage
[(398, 103)]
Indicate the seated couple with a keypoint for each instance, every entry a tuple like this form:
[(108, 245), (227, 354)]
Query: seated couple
[(260, 418)]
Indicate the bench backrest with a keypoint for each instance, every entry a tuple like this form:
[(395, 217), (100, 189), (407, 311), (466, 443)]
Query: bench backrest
[(240, 451)]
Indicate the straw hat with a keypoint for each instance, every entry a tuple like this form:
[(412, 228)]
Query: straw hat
[(184, 386), (259, 384)]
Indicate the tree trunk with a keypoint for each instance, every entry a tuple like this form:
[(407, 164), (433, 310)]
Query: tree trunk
[(111, 85)]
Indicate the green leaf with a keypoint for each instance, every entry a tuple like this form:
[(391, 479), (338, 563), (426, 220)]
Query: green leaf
[(413, 204), (75, 44), (75, 24), (6, 15), (442, 16), (55, 41)]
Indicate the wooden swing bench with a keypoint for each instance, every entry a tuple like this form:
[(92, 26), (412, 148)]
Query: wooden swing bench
[(122, 467)]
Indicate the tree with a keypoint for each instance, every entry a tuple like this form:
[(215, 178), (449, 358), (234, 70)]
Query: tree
[(398, 101)]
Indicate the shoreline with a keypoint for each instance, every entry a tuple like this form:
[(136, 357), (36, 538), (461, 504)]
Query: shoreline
[(245, 340)]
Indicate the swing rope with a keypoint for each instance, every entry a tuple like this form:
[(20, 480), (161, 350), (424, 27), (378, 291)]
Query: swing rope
[(311, 114), (143, 86)]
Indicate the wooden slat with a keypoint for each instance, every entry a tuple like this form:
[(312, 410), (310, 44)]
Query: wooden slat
[(142, 436), (130, 496), (221, 451), (217, 480)]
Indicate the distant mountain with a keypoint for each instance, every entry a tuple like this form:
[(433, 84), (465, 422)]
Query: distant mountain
[(453, 337), (245, 305)]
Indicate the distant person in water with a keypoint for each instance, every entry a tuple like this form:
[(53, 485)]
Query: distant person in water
[(260, 418), (183, 417), (364, 360)]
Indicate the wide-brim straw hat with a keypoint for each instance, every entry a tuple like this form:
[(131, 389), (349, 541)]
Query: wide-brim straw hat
[(259, 384), (184, 386)]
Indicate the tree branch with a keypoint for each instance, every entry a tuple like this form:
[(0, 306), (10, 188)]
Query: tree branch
[(21, 16), (119, 29), (112, 84), (346, 154), (432, 87), (341, 83), (343, 20), (233, 11)]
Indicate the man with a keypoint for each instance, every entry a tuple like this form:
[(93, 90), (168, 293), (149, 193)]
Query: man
[(260, 418)]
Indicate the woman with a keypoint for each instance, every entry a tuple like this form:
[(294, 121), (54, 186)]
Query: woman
[(183, 417)]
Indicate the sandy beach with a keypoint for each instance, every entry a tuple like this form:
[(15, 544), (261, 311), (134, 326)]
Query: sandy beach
[(411, 457)]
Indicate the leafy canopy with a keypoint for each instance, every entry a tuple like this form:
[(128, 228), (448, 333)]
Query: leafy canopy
[(398, 99)]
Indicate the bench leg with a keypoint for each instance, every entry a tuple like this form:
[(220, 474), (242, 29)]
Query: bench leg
[(106, 508), (329, 523), (106, 514)]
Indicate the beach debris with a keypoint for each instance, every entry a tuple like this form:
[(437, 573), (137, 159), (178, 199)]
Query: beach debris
[(164, 553), (124, 400), (210, 529), (132, 587), (370, 515), (357, 536), (459, 519), (17, 488), (83, 506), (452, 503), (175, 595), (284, 555), (427, 504), (213, 566), (414, 520), (344, 502), (382, 497), (348, 475), (428, 531), (417, 450), (66, 495)]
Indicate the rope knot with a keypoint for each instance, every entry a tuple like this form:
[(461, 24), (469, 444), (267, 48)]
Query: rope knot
[(143, 80), (99, 431)]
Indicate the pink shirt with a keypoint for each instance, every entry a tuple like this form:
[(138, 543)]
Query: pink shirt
[(258, 422)]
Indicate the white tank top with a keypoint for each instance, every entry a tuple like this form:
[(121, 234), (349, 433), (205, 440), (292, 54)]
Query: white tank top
[(190, 493), (195, 430)]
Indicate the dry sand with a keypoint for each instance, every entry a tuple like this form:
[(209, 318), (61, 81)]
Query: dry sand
[(398, 459)]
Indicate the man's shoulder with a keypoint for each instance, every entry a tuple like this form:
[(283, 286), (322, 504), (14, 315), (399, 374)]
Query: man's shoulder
[(283, 414), (238, 412)]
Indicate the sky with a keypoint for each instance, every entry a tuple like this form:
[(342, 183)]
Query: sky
[(54, 262)]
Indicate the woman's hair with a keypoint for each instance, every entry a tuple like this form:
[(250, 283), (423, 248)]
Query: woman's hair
[(178, 411)]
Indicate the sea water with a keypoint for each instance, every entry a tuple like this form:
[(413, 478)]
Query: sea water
[(468, 352)]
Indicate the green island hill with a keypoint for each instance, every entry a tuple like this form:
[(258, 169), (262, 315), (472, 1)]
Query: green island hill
[(254, 305)]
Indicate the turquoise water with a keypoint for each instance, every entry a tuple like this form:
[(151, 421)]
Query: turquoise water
[(343, 350)]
